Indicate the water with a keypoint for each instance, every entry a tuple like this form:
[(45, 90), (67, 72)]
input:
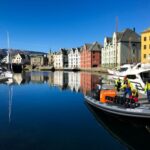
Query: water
[(45, 110)]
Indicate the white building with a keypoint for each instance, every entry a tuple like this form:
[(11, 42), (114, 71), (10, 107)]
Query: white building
[(74, 58), (60, 59), (124, 47), (21, 59), (74, 81)]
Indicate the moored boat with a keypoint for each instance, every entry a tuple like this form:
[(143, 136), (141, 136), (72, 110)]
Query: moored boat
[(137, 111)]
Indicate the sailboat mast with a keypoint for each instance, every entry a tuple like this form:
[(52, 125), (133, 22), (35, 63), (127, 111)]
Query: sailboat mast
[(8, 53)]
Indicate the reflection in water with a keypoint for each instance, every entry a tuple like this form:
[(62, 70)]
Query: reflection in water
[(132, 133), (52, 118), (10, 102), (75, 81)]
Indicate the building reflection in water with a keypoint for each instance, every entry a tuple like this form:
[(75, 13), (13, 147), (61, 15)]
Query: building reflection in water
[(88, 82), (75, 81)]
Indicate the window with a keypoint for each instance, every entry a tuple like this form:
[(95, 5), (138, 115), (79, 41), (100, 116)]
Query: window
[(144, 38), (144, 46), (131, 76), (144, 56)]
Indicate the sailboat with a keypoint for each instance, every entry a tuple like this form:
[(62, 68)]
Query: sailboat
[(8, 73)]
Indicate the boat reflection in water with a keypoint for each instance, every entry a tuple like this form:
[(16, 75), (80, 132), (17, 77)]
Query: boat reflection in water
[(133, 133)]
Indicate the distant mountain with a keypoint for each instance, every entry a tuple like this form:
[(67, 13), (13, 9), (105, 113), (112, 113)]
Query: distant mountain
[(3, 52)]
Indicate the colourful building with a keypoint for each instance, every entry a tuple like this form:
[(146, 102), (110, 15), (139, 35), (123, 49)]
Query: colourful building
[(145, 46), (90, 55)]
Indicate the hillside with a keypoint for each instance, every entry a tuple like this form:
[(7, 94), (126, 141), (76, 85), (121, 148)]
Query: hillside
[(3, 52)]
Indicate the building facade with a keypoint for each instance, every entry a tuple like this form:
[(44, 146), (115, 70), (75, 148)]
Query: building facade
[(124, 47), (60, 59), (74, 58), (90, 55), (21, 59), (50, 57), (38, 60), (145, 46)]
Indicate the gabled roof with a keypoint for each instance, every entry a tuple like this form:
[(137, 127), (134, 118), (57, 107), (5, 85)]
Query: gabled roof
[(109, 39), (95, 47), (22, 56), (128, 35), (88, 45)]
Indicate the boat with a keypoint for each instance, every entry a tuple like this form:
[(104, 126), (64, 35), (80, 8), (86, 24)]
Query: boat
[(138, 76), (118, 105), (121, 70)]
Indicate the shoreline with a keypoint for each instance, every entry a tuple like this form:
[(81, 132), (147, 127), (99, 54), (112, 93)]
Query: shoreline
[(46, 68)]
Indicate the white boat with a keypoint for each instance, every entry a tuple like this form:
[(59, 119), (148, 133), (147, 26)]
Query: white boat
[(137, 76), (121, 71)]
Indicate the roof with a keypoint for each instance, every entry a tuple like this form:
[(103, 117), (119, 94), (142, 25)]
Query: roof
[(147, 30), (109, 39), (128, 35), (22, 56), (95, 47)]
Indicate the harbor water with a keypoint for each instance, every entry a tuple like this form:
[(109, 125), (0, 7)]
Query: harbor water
[(47, 111)]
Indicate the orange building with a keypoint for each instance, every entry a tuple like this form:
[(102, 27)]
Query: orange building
[(90, 55)]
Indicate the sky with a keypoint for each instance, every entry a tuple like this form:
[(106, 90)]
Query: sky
[(41, 25)]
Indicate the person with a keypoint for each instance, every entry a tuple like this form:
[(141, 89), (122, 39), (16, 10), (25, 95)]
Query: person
[(134, 95), (126, 80), (147, 90), (118, 84), (127, 87)]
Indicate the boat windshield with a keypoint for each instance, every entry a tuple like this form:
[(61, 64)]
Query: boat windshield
[(123, 69), (145, 76)]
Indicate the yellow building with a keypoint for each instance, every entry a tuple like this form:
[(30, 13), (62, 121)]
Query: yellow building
[(145, 46)]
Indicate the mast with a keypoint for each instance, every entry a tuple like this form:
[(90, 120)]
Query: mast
[(116, 39), (8, 53)]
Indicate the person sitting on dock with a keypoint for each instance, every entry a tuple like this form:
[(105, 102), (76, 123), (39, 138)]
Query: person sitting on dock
[(118, 84), (147, 90)]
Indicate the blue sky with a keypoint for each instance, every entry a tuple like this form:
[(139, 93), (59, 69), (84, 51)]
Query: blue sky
[(52, 24)]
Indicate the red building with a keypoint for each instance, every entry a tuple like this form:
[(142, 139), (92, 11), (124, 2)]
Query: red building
[(91, 55)]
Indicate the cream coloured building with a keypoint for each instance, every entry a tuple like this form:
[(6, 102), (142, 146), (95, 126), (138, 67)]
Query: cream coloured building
[(60, 59), (124, 47), (74, 58)]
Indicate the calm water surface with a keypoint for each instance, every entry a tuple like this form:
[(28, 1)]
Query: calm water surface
[(45, 110)]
